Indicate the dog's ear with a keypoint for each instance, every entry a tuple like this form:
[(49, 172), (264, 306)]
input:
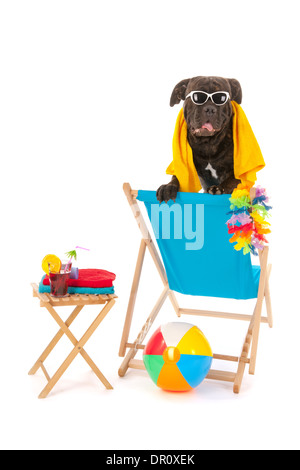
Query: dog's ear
[(236, 90), (178, 93)]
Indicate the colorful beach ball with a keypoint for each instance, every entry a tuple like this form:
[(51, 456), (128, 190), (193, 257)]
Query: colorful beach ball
[(178, 357)]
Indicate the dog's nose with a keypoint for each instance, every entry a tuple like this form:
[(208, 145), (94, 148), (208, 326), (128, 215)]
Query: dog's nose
[(210, 110)]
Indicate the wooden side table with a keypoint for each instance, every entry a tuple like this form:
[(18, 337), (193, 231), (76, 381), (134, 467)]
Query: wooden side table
[(78, 301)]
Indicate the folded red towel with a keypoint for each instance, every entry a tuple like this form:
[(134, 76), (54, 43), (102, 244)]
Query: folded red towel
[(89, 278)]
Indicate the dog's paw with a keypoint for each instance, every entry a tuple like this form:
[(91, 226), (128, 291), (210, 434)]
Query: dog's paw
[(215, 190), (167, 192)]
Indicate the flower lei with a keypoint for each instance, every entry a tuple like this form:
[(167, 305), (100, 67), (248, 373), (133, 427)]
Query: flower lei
[(247, 223)]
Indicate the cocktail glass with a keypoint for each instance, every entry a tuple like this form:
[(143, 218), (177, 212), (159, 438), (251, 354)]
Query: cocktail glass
[(59, 283)]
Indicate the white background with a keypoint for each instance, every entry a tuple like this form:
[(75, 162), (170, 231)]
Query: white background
[(84, 106)]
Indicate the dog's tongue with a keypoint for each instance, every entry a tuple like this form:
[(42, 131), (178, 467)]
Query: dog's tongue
[(208, 126)]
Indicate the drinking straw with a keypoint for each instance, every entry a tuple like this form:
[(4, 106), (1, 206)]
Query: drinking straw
[(70, 260)]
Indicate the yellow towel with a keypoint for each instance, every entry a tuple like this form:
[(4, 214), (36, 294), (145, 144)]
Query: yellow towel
[(248, 159)]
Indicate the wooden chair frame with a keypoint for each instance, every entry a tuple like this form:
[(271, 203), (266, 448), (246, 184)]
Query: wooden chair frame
[(79, 301), (249, 349)]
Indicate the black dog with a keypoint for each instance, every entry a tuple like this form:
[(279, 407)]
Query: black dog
[(209, 132)]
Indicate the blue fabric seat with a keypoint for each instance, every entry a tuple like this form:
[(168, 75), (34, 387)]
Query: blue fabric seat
[(194, 244)]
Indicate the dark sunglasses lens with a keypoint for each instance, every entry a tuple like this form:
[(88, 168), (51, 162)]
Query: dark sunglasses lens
[(219, 98), (199, 97)]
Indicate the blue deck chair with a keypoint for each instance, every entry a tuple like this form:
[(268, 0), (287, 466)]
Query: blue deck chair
[(196, 258)]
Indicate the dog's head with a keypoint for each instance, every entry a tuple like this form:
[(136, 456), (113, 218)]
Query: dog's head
[(207, 115)]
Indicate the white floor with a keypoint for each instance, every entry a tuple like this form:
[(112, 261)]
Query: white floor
[(80, 413)]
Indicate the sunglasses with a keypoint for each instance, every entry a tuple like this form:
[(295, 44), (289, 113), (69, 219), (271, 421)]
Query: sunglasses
[(200, 97)]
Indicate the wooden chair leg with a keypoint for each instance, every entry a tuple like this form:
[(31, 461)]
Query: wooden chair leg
[(258, 309), (268, 298), (132, 298), (145, 242), (132, 352), (244, 358), (174, 302)]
